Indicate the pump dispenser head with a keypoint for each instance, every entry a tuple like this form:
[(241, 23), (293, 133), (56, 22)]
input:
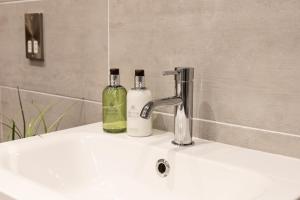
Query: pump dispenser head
[(114, 77), (139, 72), (114, 71), (139, 79)]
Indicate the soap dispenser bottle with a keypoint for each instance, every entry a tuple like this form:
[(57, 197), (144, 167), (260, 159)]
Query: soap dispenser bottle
[(114, 104), (137, 97)]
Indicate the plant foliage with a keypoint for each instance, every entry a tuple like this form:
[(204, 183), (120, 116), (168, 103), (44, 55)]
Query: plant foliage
[(32, 128)]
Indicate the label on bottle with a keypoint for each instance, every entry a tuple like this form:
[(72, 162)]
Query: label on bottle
[(112, 109), (137, 126), (133, 112)]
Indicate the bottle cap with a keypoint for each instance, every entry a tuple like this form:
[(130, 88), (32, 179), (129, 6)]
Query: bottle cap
[(139, 79), (139, 72), (114, 71)]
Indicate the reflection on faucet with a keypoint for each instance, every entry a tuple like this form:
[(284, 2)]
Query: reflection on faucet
[(149, 107), (183, 102)]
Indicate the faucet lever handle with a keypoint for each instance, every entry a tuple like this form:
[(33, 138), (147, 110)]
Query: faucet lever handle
[(167, 73)]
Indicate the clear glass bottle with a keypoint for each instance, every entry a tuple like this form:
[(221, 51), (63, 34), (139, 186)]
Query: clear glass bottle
[(114, 104)]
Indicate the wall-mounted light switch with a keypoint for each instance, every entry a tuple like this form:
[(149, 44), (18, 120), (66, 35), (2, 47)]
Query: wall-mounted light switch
[(34, 36)]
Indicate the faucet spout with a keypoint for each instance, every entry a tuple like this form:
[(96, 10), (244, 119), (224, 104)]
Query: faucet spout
[(151, 105), (183, 103)]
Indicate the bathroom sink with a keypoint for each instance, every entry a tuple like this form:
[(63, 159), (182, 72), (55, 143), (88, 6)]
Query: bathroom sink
[(85, 163)]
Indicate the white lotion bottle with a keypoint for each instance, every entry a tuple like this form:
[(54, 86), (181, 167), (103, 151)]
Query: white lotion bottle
[(137, 97)]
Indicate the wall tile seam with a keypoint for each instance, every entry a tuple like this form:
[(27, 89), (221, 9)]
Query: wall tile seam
[(263, 131), (5, 2), (1, 127), (52, 95)]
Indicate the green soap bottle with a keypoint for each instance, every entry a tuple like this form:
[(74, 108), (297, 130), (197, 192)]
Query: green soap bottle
[(114, 104)]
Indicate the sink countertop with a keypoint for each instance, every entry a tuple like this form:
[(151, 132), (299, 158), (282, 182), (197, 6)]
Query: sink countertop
[(270, 176)]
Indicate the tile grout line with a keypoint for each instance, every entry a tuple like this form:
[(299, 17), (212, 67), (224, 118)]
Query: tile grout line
[(108, 41), (236, 125), (6, 2), (161, 113), (52, 95), (1, 127)]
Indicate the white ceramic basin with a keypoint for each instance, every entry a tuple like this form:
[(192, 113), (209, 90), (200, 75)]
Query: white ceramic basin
[(85, 163)]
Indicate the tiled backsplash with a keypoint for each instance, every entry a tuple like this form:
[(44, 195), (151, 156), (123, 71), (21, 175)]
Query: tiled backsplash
[(246, 57), (245, 53), (75, 34), (75, 67)]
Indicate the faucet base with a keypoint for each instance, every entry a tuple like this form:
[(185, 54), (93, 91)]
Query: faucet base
[(181, 144)]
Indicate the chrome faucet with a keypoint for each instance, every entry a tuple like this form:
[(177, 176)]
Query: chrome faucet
[(183, 102)]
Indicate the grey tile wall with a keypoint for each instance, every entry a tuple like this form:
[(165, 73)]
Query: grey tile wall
[(246, 55), (245, 52), (249, 137), (75, 48), (75, 67)]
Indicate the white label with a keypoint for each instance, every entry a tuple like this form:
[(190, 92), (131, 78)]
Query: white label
[(29, 46), (35, 47), (133, 112), (137, 126)]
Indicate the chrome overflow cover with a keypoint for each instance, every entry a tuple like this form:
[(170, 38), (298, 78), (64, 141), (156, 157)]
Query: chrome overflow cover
[(162, 167)]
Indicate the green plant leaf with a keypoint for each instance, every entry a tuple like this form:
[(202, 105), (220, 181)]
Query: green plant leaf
[(34, 122), (55, 125), (41, 115), (30, 127), (22, 112), (43, 120), (11, 121), (11, 129)]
